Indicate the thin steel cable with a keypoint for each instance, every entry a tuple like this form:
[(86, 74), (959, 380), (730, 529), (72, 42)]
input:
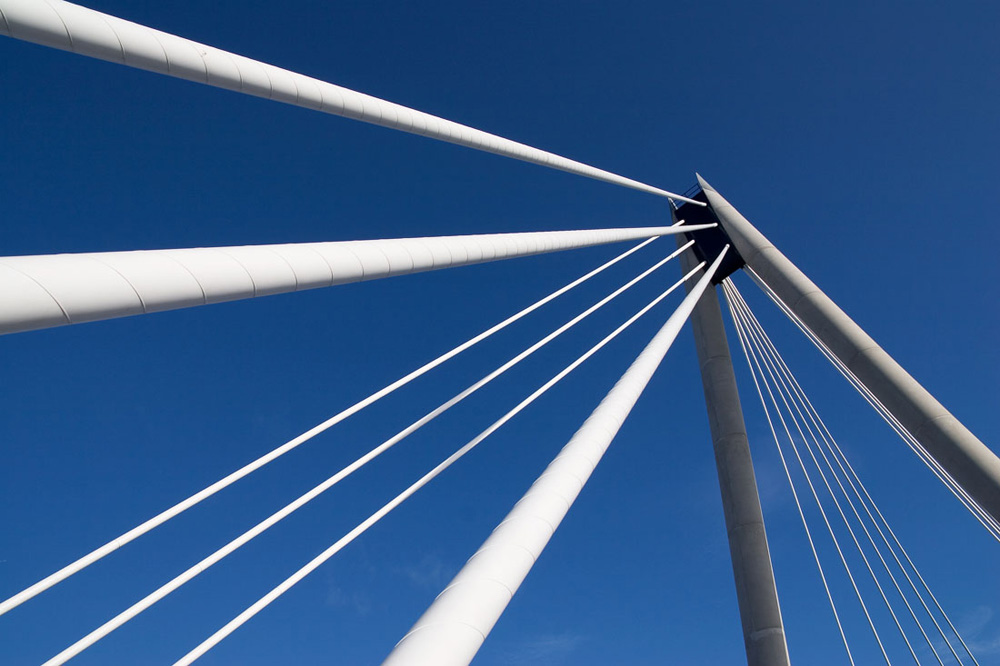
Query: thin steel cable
[(916, 571), (819, 504), (891, 420), (841, 456), (801, 399), (985, 519), (988, 521), (838, 454), (189, 574), (788, 387), (205, 493), (289, 582), (791, 483), (758, 352)]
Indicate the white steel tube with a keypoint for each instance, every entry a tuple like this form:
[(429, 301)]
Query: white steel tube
[(452, 630), (70, 27), (42, 291)]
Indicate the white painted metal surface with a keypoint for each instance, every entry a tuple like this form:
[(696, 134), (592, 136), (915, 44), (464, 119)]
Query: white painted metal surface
[(70, 27), (42, 291), (452, 630)]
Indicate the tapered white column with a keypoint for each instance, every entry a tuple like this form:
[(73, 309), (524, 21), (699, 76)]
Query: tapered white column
[(972, 464), (451, 631), (756, 592), (52, 290), (70, 27)]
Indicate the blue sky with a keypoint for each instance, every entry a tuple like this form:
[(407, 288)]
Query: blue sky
[(860, 137)]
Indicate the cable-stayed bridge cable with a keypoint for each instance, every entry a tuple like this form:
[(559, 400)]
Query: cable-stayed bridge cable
[(855, 483), (768, 379), (790, 390), (754, 372), (793, 389), (985, 519), (289, 582), (175, 510), (70, 27), (783, 387), (935, 467), (858, 487), (765, 373), (203, 565)]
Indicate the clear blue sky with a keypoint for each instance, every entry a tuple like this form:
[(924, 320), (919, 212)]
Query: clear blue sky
[(861, 137)]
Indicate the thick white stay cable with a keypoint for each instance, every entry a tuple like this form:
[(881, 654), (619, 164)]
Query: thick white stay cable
[(70, 27), (758, 352), (838, 455), (203, 565), (783, 383), (860, 489), (289, 582), (226, 481), (985, 519), (748, 354)]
